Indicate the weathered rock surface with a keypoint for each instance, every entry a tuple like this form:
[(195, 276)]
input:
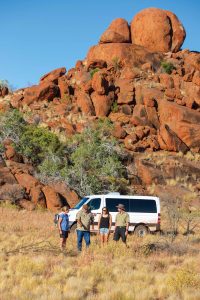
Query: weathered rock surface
[(53, 75), (127, 54), (117, 32), (157, 30)]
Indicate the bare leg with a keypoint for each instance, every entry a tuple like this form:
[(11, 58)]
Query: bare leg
[(63, 243), (106, 236), (102, 239)]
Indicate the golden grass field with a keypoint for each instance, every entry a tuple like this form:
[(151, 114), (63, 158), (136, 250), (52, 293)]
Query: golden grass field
[(33, 267)]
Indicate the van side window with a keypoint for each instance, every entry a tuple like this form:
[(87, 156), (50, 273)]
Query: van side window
[(143, 206), (94, 203), (111, 204)]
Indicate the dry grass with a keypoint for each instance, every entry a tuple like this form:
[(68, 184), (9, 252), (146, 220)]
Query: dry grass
[(33, 267)]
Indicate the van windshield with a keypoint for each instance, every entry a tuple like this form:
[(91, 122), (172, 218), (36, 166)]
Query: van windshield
[(79, 204)]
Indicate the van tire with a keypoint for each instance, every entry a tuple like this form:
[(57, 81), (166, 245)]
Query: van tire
[(141, 230), (73, 227)]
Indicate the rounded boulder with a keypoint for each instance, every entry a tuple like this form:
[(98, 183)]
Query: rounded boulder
[(157, 30)]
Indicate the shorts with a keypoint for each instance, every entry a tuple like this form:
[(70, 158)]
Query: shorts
[(104, 230), (120, 232), (64, 234)]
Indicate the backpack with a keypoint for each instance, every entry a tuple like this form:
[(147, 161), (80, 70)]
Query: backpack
[(56, 218)]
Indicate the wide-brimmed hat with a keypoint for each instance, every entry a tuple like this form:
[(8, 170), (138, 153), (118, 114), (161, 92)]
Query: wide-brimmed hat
[(121, 206)]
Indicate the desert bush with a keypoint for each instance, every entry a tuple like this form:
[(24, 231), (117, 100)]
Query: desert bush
[(36, 143), (183, 278), (93, 71), (94, 164), (5, 83), (167, 67), (117, 63), (12, 125), (12, 192), (114, 107)]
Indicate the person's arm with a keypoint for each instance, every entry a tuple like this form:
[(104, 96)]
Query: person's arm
[(78, 218), (99, 220), (59, 224), (115, 223), (110, 222), (127, 223)]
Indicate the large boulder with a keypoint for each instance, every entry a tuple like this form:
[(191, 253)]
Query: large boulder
[(44, 91), (53, 75), (184, 122), (69, 195), (128, 54), (6, 176), (53, 199), (126, 93), (84, 102), (168, 140), (27, 181), (102, 103), (117, 32), (37, 197), (157, 30), (99, 83)]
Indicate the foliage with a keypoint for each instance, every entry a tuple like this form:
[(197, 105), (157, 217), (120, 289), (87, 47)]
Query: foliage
[(167, 67), (183, 278), (93, 164), (89, 162), (116, 63), (5, 83), (36, 143), (93, 71), (12, 125), (114, 107)]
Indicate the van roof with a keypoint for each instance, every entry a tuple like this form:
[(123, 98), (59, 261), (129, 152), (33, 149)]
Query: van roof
[(120, 196)]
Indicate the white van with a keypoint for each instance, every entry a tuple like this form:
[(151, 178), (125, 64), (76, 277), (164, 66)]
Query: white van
[(144, 211)]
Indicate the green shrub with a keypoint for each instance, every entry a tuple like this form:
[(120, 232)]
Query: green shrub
[(94, 165), (93, 71), (12, 125), (114, 107), (36, 143), (167, 67)]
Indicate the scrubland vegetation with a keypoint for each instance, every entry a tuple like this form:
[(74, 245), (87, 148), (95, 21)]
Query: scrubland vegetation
[(74, 161), (33, 267)]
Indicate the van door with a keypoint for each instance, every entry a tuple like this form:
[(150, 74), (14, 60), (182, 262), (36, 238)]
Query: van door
[(95, 205), (112, 202), (143, 211)]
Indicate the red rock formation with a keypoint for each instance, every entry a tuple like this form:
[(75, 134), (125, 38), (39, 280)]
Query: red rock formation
[(127, 54), (157, 30), (117, 32), (53, 76)]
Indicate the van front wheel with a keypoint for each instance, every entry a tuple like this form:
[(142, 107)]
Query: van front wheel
[(141, 230)]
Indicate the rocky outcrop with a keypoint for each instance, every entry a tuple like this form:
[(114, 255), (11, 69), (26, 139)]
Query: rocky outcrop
[(157, 30), (53, 76), (117, 32), (140, 80), (126, 54)]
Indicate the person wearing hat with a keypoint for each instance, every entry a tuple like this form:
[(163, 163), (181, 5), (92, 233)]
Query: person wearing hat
[(121, 224), (84, 219)]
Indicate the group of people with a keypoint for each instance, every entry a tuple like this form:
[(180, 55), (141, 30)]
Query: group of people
[(85, 218)]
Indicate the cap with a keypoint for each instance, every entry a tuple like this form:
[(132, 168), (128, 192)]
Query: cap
[(120, 206)]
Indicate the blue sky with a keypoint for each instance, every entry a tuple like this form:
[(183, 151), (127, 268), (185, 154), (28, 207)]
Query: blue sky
[(38, 36)]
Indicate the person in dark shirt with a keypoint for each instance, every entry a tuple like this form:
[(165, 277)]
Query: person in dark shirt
[(63, 226), (104, 225)]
